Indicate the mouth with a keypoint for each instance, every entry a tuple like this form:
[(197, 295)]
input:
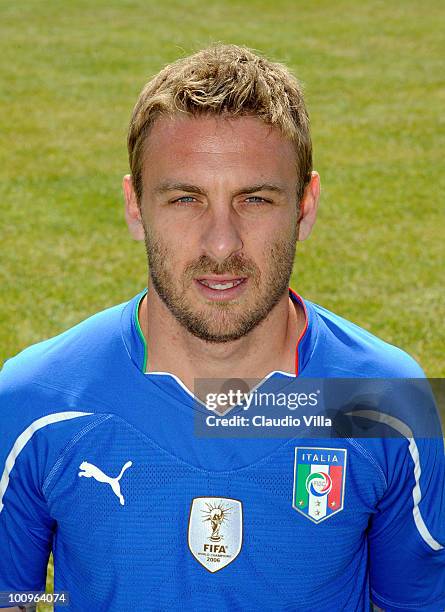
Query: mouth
[(221, 287)]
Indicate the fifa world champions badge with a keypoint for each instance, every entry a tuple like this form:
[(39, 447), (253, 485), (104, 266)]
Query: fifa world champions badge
[(215, 531), (319, 482)]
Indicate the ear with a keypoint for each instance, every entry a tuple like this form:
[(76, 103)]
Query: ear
[(309, 207), (132, 210)]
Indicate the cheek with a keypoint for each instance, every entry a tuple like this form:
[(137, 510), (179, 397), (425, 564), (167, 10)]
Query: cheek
[(260, 243), (278, 250), (176, 256)]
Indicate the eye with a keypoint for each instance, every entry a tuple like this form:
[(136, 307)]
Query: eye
[(184, 200), (256, 200)]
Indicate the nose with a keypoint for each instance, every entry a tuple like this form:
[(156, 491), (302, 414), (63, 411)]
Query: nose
[(220, 234)]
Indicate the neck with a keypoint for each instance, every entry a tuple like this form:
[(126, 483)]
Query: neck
[(268, 347)]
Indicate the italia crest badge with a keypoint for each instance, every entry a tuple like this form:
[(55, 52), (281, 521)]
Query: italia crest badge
[(319, 481)]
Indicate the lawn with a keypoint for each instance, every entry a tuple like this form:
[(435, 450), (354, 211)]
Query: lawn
[(372, 71)]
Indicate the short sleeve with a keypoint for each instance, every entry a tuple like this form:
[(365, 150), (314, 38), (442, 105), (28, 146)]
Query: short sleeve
[(407, 534), (26, 529)]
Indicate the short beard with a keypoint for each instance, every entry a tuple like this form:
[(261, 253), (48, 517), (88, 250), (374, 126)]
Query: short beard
[(220, 326)]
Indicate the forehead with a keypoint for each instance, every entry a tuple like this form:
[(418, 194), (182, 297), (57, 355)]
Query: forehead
[(209, 145)]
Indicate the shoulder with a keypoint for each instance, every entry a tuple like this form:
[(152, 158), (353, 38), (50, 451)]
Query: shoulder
[(354, 351), (61, 381), (75, 345), (64, 372)]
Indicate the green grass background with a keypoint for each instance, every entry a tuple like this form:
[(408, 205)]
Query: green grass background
[(70, 73)]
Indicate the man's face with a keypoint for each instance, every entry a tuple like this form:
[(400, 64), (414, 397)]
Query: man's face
[(220, 213)]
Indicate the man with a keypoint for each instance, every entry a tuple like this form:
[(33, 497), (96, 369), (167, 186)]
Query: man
[(101, 462)]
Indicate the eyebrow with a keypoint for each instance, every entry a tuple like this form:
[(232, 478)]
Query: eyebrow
[(167, 186), (171, 186), (261, 187)]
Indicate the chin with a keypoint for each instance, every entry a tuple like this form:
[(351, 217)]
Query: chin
[(228, 331)]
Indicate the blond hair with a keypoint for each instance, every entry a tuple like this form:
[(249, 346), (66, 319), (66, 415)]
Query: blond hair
[(224, 80)]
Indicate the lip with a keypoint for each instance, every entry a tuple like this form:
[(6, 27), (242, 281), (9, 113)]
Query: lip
[(221, 295), (220, 278)]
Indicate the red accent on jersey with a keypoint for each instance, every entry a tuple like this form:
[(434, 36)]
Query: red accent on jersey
[(334, 497), (300, 300)]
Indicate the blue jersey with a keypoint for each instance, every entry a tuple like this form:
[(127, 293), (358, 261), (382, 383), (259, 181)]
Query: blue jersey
[(99, 462)]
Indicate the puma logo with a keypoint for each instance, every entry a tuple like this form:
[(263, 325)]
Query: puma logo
[(91, 471)]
